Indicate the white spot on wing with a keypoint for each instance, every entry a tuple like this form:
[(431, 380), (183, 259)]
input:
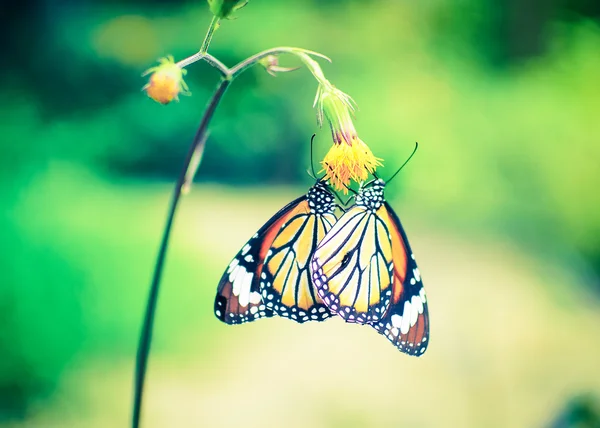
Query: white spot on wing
[(245, 284), (417, 274), (255, 298), (417, 303), (238, 275), (405, 326), (396, 320), (414, 312), (245, 249), (232, 265), (249, 258), (233, 273), (422, 294)]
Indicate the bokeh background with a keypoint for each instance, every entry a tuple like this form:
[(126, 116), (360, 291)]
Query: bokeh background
[(501, 203)]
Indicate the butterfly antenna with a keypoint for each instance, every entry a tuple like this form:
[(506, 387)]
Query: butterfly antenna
[(404, 164), (351, 189), (312, 165)]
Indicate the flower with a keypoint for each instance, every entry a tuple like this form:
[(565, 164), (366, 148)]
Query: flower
[(349, 158), (224, 8), (166, 81)]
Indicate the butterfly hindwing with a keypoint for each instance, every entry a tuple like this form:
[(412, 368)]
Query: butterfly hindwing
[(286, 285)]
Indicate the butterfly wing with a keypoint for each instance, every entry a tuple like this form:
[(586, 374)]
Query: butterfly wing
[(352, 266), (286, 285), (238, 297), (406, 322)]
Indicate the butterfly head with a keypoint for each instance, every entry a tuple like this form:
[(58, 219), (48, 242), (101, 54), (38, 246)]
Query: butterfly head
[(370, 195), (320, 199)]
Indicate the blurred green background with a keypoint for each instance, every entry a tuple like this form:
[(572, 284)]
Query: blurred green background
[(502, 205)]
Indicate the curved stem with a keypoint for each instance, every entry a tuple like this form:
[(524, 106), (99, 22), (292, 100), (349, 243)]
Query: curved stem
[(186, 176), (214, 24), (146, 335), (217, 64), (249, 62), (209, 59), (203, 52), (232, 73)]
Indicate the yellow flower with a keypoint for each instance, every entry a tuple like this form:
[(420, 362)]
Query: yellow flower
[(349, 161), (349, 158), (166, 81)]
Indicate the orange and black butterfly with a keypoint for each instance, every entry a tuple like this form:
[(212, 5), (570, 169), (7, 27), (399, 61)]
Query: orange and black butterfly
[(365, 271), (271, 273)]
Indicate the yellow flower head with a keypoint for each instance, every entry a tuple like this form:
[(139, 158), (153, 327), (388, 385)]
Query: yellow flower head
[(345, 162), (166, 81), (349, 158)]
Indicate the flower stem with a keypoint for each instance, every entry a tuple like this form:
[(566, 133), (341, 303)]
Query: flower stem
[(232, 73), (214, 24), (185, 178), (303, 54), (146, 335), (203, 52)]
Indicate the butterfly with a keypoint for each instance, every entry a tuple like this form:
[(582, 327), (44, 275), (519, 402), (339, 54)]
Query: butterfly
[(270, 275), (364, 270)]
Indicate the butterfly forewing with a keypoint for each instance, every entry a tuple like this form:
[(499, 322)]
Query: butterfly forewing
[(365, 271), (286, 284), (270, 276)]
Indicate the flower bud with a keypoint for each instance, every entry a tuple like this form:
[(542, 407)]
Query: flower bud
[(349, 158), (166, 81), (224, 8)]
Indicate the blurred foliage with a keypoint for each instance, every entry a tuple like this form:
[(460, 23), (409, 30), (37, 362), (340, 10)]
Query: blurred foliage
[(501, 95), (580, 412)]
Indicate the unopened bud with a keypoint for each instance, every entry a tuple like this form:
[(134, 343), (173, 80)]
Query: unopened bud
[(166, 81)]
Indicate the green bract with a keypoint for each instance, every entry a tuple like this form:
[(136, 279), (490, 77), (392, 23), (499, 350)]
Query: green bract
[(224, 8)]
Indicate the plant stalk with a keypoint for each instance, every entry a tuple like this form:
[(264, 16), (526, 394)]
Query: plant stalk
[(214, 24), (184, 180), (146, 334)]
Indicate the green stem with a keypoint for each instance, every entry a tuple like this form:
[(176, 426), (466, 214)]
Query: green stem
[(249, 62), (303, 54), (184, 180), (203, 52), (232, 73), (214, 24), (146, 334), (217, 64)]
